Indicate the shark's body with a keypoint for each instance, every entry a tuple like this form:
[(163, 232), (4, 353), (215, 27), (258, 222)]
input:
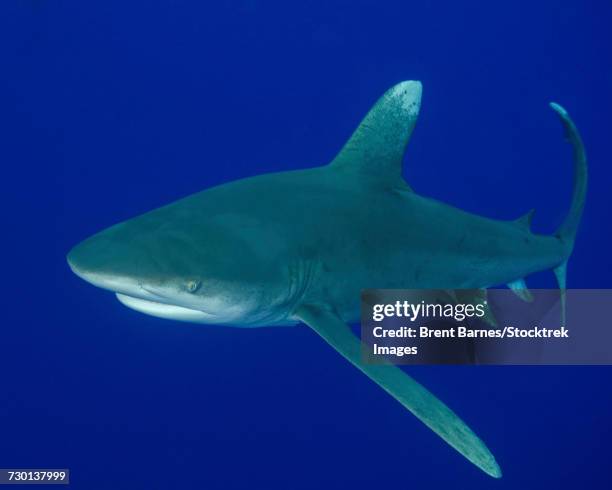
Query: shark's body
[(284, 248)]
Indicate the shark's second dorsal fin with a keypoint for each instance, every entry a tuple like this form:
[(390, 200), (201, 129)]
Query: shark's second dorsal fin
[(376, 148), (525, 220)]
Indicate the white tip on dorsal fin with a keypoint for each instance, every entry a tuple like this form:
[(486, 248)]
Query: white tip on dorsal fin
[(525, 220), (376, 148), (519, 288)]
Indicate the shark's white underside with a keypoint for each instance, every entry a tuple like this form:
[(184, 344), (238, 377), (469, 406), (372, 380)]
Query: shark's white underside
[(162, 310)]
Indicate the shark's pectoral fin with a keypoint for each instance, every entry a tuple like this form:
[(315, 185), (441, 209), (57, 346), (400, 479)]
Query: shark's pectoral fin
[(375, 150), (418, 400)]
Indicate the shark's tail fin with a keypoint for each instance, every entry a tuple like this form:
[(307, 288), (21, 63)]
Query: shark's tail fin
[(567, 231)]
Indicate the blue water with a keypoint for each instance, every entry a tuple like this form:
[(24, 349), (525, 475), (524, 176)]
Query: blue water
[(109, 109)]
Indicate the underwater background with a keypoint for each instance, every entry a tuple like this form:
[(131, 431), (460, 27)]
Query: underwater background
[(109, 109)]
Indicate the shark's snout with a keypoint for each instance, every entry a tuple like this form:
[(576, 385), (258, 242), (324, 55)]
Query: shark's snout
[(78, 261), (122, 263), (97, 278), (90, 257), (99, 262)]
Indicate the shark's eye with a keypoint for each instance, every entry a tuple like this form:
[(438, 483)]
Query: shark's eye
[(192, 286)]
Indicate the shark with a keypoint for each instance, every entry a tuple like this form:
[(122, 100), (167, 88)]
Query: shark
[(297, 247)]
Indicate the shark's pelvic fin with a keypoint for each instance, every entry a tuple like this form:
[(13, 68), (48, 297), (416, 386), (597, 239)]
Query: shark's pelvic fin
[(377, 146), (519, 288), (425, 406)]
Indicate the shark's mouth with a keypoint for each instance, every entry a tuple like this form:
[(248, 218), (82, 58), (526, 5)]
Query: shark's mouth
[(163, 310)]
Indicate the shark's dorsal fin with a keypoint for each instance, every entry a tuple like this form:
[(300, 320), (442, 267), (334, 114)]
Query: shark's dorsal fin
[(376, 148)]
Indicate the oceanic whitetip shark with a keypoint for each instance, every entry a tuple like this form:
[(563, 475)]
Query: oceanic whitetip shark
[(298, 247)]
